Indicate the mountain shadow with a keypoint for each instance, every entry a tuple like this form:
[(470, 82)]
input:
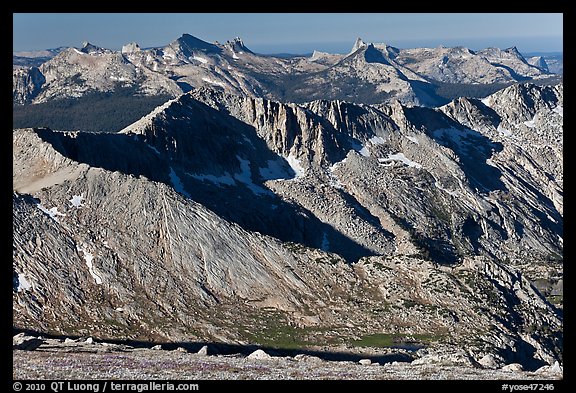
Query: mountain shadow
[(472, 148), (213, 167)]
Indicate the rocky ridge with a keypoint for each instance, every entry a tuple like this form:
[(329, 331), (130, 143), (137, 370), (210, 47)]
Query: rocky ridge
[(237, 219), (370, 73)]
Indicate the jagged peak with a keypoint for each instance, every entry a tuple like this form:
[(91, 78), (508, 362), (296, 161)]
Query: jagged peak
[(514, 52), (317, 55), (130, 48), (359, 43), (237, 45), (512, 49), (539, 62), (188, 43), (375, 55), (87, 47)]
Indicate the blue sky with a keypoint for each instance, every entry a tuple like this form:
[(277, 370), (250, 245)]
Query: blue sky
[(293, 32)]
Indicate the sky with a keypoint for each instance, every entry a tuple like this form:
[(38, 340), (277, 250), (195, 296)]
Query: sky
[(292, 32)]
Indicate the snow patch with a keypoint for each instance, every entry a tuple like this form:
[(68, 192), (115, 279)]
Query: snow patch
[(234, 56), (325, 246), (218, 180), (486, 101), (531, 123), (503, 131), (413, 139), (89, 257), (52, 212), (153, 148), (213, 82), (177, 183), (245, 138), (364, 151), (335, 165), (559, 109), (202, 60), (119, 79), (334, 181), (274, 170), (491, 163), (23, 283), (453, 193), (76, 200), (245, 177), (377, 140), (77, 51), (295, 165), (399, 157)]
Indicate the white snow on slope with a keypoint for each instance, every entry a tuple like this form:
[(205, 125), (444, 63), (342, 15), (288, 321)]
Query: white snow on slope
[(23, 284), (439, 186), (153, 148), (177, 183), (89, 257), (486, 101), (400, 157), (325, 246), (531, 123), (363, 150), (213, 82), (119, 79), (274, 170), (218, 180), (560, 110), (200, 59), (53, 212), (504, 131), (335, 165), (296, 166), (377, 140), (413, 139), (453, 135), (245, 177), (76, 200)]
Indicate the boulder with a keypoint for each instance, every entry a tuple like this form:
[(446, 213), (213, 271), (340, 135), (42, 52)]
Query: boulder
[(513, 367), (489, 361), (203, 351), (259, 355), (26, 343), (556, 368), (306, 358)]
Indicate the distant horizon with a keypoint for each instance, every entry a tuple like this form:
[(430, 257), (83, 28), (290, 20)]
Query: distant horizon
[(345, 47), (294, 33)]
